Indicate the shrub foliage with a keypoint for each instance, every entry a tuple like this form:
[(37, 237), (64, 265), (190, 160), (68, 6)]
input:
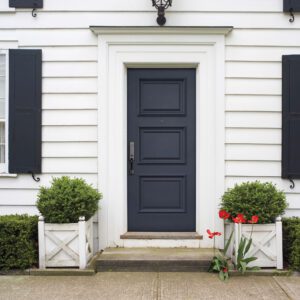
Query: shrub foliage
[(255, 198), (291, 242), (67, 199), (18, 242)]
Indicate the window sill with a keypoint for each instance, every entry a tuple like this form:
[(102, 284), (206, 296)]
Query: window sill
[(8, 175)]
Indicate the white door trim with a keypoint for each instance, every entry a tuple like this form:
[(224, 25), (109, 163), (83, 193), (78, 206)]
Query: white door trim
[(120, 48)]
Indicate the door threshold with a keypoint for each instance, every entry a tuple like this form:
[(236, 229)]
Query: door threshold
[(161, 236)]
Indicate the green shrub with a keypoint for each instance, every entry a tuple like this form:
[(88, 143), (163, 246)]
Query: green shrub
[(67, 199), (255, 198), (291, 242), (18, 242)]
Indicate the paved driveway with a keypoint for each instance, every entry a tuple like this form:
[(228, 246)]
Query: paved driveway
[(148, 286)]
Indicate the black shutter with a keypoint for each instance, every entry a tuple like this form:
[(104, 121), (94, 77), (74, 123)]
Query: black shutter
[(291, 5), (291, 116), (26, 3), (25, 111)]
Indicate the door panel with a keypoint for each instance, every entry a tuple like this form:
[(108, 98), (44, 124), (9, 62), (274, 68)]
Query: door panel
[(161, 128)]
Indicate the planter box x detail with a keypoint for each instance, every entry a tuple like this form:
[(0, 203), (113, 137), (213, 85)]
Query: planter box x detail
[(65, 245)]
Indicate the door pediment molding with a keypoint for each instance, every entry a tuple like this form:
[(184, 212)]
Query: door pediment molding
[(104, 30)]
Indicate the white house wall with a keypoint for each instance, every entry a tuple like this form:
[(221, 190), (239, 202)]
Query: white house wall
[(262, 34)]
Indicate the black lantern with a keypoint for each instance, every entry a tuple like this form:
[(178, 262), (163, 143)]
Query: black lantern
[(161, 6)]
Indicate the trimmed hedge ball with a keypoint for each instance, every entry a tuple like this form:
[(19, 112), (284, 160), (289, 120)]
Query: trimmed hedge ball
[(67, 199)]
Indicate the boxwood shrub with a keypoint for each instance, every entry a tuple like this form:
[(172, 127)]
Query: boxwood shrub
[(291, 242), (67, 199), (255, 198), (18, 242)]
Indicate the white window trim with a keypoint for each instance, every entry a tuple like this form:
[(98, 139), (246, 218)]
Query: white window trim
[(120, 48), (4, 167)]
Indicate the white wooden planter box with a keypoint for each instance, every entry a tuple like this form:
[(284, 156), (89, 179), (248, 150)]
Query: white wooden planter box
[(65, 245), (266, 243)]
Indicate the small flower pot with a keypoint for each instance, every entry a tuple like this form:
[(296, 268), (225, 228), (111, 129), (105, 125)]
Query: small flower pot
[(266, 243), (65, 245)]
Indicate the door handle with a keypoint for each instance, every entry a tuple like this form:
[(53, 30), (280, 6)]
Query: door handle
[(131, 158)]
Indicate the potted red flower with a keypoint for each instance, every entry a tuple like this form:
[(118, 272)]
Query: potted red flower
[(252, 212), (220, 262)]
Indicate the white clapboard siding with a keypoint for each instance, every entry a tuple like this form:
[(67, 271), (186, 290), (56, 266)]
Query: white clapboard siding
[(18, 209), (69, 69), (293, 200), (12, 197), (69, 101), (69, 165), (243, 20), (70, 149), (253, 152), (281, 184), (253, 103), (8, 44), (25, 182), (5, 8), (253, 119), (251, 86), (69, 117), (70, 85), (8, 35), (259, 54), (253, 168), (55, 37), (253, 136), (263, 37), (65, 54), (187, 5), (292, 213), (69, 133), (253, 70)]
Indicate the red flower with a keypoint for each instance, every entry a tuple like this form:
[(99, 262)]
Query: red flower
[(240, 218), (223, 214), (212, 234), (253, 220), (225, 270)]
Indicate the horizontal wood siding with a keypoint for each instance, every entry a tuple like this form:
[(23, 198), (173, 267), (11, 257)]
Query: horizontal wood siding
[(262, 34), (69, 118), (253, 108)]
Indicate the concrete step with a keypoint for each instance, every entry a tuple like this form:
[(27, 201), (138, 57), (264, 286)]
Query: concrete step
[(161, 236), (154, 260)]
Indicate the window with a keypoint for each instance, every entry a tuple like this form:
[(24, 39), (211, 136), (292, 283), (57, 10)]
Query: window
[(3, 111)]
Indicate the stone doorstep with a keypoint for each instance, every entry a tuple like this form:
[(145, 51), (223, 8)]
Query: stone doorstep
[(161, 236), (165, 260), (154, 260)]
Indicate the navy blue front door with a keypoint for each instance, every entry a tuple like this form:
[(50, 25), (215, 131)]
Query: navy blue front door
[(161, 149)]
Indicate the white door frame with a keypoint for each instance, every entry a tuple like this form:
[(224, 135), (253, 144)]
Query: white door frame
[(123, 47)]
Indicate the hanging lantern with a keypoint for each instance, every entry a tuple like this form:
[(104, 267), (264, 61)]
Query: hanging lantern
[(161, 6)]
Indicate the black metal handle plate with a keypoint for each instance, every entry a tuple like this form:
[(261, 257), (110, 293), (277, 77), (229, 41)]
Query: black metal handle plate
[(131, 158)]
